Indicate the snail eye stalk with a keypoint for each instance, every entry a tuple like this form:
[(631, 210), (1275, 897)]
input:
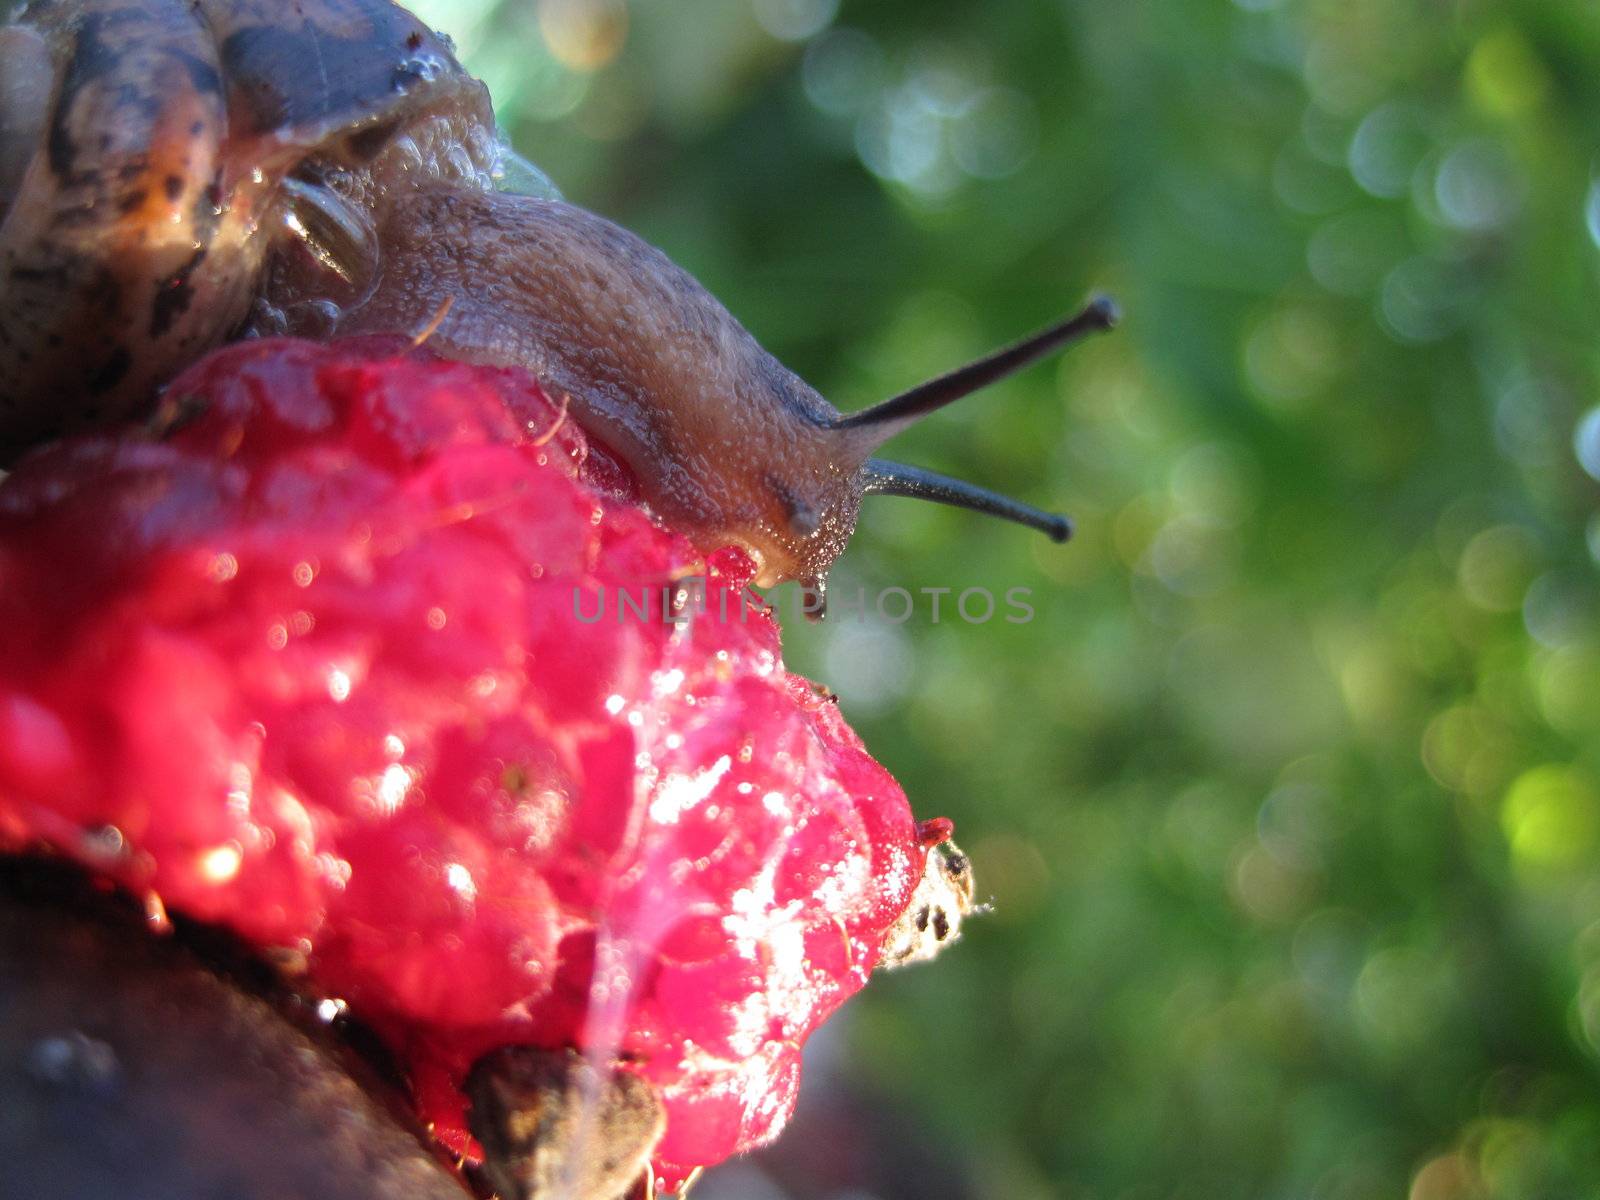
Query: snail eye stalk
[(873, 426), (883, 421)]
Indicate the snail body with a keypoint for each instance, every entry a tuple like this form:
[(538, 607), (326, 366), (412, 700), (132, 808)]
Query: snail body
[(176, 172), (727, 444)]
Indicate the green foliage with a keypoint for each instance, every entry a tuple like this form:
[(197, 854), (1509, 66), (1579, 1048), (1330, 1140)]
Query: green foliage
[(1289, 796)]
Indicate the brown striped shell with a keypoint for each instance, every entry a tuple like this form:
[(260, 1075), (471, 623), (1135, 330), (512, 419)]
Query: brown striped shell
[(163, 162)]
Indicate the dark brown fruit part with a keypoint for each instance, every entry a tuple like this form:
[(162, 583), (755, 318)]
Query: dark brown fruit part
[(553, 1126), (129, 1071)]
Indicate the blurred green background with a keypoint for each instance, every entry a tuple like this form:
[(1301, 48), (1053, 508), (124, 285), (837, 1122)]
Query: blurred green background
[(1288, 798)]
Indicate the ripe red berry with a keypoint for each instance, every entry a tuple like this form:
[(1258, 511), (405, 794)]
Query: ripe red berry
[(320, 663)]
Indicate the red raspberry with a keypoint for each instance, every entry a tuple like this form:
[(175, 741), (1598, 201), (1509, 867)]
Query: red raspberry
[(315, 665)]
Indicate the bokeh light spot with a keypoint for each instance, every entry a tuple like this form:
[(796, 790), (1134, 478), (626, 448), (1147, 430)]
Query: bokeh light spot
[(1190, 557), (1214, 484), (1467, 750), (1386, 148), (870, 662), (583, 34), (900, 140), (1496, 568), (1273, 890), (1290, 356), (842, 71), (1348, 255), (1422, 299), (1588, 1006), (1447, 743), (1530, 412), (1448, 1177), (1339, 81), (995, 134), (1307, 183), (1016, 872), (795, 20), (1586, 442), (1477, 188), (1509, 1155), (1559, 609), (1328, 951), (1504, 76), (1567, 694), (1397, 999), (1551, 818)]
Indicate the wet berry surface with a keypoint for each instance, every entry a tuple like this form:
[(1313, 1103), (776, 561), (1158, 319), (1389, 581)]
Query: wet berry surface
[(360, 659)]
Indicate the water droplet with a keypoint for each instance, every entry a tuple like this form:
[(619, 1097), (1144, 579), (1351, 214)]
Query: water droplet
[(515, 174), (417, 70)]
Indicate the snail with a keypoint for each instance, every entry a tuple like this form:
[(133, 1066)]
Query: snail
[(177, 172)]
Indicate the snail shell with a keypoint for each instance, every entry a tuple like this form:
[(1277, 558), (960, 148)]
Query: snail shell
[(164, 163)]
